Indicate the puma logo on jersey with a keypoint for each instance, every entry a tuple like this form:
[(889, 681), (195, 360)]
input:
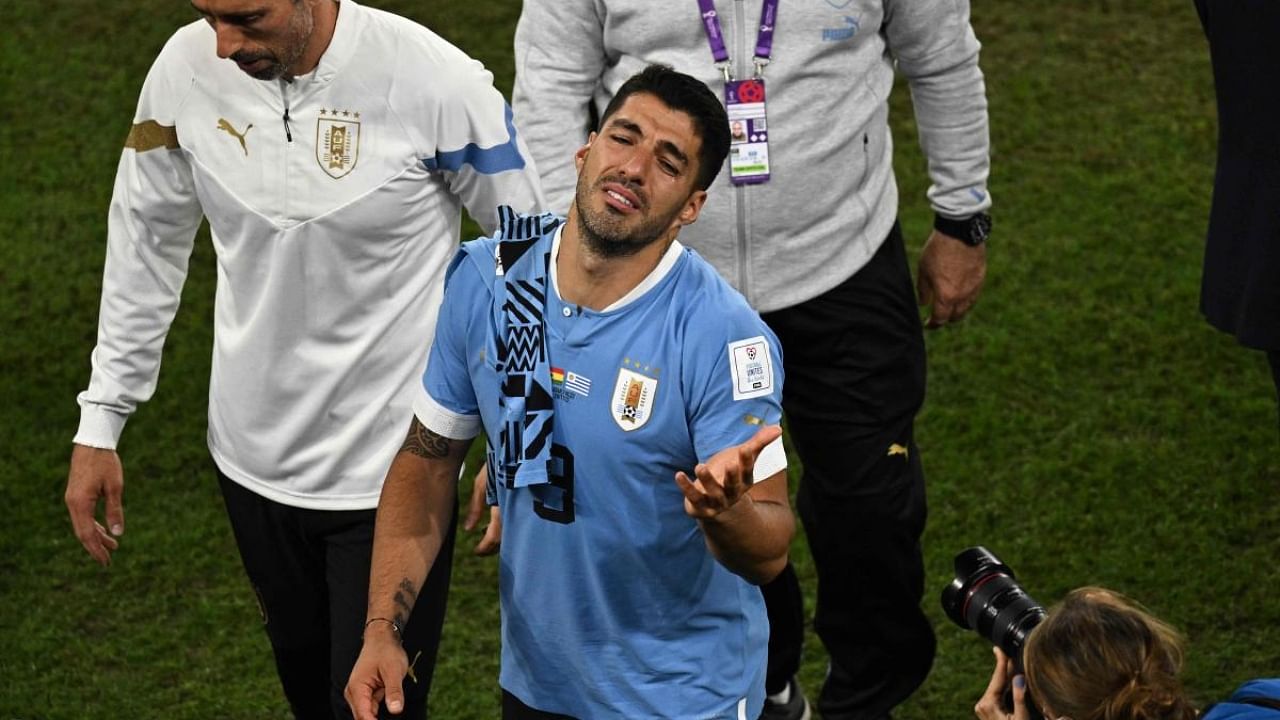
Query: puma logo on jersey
[(224, 125), (896, 449), (412, 675)]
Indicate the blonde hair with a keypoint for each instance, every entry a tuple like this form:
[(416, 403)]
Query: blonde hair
[(1100, 656)]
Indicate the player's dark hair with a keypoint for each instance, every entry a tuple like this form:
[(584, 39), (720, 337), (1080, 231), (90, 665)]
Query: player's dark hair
[(690, 96)]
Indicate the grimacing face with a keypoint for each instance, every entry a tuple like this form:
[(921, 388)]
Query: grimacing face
[(636, 178), (265, 38)]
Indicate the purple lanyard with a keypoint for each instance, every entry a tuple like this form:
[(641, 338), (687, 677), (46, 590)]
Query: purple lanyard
[(715, 35)]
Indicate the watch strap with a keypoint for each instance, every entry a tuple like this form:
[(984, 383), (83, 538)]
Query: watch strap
[(971, 231)]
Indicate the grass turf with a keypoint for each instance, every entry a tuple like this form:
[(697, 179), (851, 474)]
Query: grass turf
[(1085, 423)]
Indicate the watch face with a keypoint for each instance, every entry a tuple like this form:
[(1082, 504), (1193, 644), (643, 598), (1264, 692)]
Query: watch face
[(979, 228)]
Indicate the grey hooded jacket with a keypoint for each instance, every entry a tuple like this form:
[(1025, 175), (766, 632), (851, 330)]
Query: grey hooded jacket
[(832, 197)]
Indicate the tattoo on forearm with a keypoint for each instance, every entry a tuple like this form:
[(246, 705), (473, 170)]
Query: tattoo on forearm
[(424, 443), (406, 596)]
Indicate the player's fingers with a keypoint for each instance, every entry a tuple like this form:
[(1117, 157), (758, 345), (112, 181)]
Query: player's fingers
[(394, 692), (98, 551), (105, 538), (929, 299), (941, 315), (85, 528), (696, 503), (968, 295), (691, 492), (92, 543), (944, 308), (488, 544), (735, 477), (492, 538), (476, 504), (702, 479), (80, 507), (761, 440), (353, 702), (746, 469), (115, 507), (712, 487), (361, 701)]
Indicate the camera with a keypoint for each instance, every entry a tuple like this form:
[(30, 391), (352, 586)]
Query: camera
[(985, 597)]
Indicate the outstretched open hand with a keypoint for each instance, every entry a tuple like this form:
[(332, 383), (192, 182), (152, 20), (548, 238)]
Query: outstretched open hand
[(720, 483)]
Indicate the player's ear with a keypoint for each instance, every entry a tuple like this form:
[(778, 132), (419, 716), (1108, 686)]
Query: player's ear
[(692, 207), (580, 157)]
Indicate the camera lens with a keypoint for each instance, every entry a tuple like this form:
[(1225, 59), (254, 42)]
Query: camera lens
[(986, 597)]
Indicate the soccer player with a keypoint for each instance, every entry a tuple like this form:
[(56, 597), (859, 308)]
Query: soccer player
[(630, 400), (805, 225)]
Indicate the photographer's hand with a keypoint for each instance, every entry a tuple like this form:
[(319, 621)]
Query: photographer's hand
[(988, 707)]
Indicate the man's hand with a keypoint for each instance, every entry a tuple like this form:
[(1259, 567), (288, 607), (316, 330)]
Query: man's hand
[(949, 278), (988, 707), (96, 473), (725, 478), (491, 540), (378, 673)]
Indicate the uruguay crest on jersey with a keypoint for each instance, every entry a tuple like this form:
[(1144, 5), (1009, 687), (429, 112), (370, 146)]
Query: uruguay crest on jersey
[(632, 401), (338, 142)]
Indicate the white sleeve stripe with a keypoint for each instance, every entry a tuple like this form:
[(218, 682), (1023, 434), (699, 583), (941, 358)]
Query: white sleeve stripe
[(772, 459), (440, 419)]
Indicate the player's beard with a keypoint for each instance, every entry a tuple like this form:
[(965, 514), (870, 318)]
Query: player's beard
[(301, 24), (606, 234)]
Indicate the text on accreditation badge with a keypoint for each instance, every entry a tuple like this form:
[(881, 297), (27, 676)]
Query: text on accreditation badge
[(748, 131)]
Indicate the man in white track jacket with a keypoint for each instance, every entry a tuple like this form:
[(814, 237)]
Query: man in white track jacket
[(331, 147), (809, 234)]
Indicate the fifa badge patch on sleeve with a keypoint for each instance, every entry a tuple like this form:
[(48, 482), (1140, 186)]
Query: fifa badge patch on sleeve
[(752, 368)]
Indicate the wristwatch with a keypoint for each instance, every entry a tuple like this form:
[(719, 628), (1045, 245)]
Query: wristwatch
[(971, 231)]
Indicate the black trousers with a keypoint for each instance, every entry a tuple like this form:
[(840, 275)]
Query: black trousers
[(855, 377), (310, 572)]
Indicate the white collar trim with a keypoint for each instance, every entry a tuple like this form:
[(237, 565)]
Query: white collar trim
[(654, 277)]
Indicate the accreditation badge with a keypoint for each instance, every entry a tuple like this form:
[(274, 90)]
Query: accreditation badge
[(748, 131)]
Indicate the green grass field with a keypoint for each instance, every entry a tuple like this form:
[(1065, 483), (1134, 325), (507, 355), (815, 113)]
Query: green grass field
[(1085, 423)]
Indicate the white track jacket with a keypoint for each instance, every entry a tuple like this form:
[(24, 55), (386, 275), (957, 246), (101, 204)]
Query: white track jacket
[(334, 206)]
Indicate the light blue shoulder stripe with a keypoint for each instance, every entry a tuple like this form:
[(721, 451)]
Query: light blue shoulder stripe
[(488, 161)]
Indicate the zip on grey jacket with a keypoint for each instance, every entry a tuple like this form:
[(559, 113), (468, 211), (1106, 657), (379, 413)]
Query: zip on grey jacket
[(832, 197)]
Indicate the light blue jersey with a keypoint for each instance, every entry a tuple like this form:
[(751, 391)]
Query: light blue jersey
[(612, 606)]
